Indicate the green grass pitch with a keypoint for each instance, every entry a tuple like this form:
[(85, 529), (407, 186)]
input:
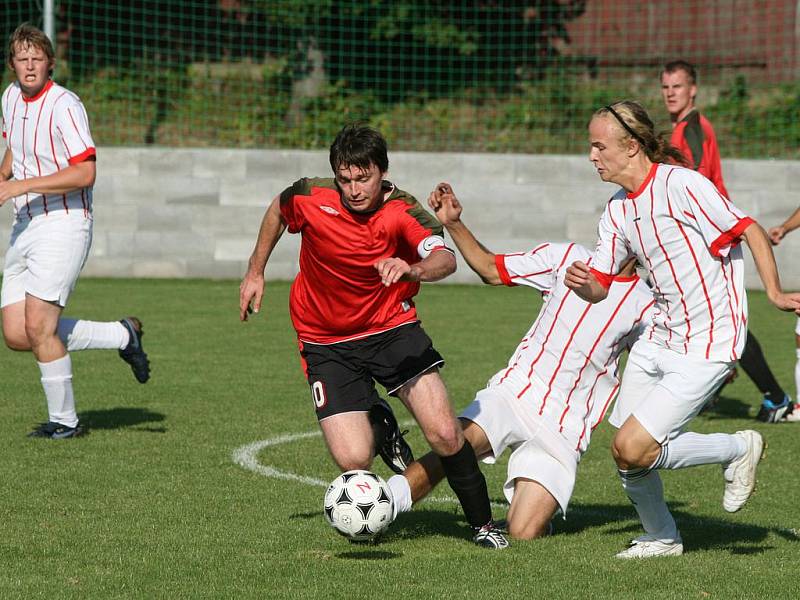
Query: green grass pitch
[(152, 504)]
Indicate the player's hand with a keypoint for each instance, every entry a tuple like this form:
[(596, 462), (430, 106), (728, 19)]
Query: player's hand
[(789, 302), (251, 292), (11, 188), (577, 275), (393, 270), (776, 235), (444, 203)]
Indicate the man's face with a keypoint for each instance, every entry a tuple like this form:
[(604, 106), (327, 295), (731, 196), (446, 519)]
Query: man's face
[(361, 188), (678, 93), (608, 155), (32, 68)]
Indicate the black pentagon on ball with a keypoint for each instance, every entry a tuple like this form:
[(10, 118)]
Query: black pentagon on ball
[(329, 513), (384, 497), (348, 476), (344, 497), (375, 477), (364, 509)]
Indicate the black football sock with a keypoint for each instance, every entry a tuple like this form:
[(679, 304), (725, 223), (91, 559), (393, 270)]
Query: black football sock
[(757, 369), (469, 484)]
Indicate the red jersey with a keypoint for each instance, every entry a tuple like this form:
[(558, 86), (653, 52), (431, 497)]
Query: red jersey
[(695, 138), (338, 294)]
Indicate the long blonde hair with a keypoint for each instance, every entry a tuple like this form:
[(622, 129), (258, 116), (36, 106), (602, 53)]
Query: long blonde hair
[(636, 124)]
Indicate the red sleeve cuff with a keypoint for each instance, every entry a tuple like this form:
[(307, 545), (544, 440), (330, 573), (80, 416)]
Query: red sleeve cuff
[(500, 263), (603, 279), (85, 155), (730, 237)]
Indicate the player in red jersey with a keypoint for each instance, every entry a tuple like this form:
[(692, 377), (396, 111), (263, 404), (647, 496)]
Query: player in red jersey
[(47, 172), (693, 135), (686, 234), (366, 246)]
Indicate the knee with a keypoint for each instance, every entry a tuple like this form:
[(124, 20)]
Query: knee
[(628, 454), (528, 531), (446, 439), (353, 463), (16, 339)]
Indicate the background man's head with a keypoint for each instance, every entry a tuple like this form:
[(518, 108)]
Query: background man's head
[(359, 160), (30, 55), (678, 88)]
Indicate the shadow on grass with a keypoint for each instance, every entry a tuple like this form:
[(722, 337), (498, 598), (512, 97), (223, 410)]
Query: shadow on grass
[(368, 555), (728, 408), (123, 417), (698, 532)]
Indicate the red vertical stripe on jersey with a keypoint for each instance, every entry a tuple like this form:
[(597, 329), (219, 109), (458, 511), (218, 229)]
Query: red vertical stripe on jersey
[(728, 285), (35, 142), (53, 147), (672, 269), (544, 343), (80, 137), (705, 214), (702, 281), (24, 166), (561, 358), (589, 356)]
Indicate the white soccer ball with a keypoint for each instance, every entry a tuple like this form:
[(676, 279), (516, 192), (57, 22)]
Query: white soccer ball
[(358, 505)]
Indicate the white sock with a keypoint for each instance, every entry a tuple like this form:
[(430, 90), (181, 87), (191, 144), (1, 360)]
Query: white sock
[(57, 384), (401, 494), (691, 449), (797, 376), (92, 335), (647, 495)]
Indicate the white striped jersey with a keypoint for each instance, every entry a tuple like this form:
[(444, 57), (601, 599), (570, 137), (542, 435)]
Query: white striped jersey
[(686, 235), (565, 369), (46, 133)]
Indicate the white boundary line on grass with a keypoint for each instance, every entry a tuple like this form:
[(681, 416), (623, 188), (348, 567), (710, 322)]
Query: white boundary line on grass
[(247, 457)]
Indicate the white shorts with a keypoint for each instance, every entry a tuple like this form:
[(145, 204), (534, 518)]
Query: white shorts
[(664, 389), (45, 257), (537, 452), (797, 327)]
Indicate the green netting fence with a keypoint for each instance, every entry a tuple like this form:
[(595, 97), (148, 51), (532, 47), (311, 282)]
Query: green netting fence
[(488, 75)]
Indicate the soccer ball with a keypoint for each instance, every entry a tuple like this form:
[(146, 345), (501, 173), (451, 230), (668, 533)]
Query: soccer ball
[(358, 505)]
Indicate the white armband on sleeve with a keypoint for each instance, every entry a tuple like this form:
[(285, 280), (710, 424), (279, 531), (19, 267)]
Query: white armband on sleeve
[(429, 244)]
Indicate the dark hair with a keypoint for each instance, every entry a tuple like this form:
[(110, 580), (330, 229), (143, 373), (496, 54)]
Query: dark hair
[(637, 124), (681, 65), (359, 146), (27, 35)]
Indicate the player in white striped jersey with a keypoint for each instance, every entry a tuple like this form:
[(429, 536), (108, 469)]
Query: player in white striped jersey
[(558, 383), (686, 234), (48, 170)]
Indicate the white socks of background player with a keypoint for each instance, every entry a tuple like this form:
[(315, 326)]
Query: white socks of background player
[(691, 449), (401, 495), (797, 376), (646, 492), (92, 335), (57, 384)]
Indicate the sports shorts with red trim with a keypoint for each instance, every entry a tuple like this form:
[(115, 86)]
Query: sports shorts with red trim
[(342, 376)]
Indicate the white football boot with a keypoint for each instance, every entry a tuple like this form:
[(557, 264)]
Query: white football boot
[(740, 475), (646, 546)]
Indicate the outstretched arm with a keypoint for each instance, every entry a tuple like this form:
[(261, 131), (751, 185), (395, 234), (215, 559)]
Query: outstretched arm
[(251, 290), (760, 248), (776, 234), (448, 210)]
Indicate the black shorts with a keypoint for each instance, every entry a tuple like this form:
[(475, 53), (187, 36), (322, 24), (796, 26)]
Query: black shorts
[(342, 376)]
